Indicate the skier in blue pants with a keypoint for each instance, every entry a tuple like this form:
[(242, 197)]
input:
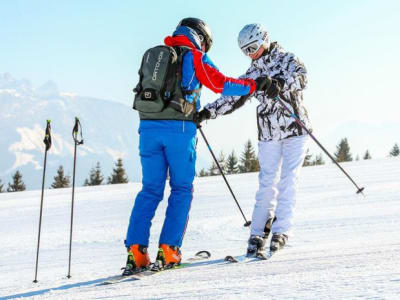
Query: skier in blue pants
[(164, 145), (168, 141)]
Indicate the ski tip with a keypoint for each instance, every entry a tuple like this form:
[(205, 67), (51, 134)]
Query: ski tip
[(230, 258), (203, 254)]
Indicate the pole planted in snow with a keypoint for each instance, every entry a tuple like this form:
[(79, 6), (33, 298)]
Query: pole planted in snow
[(47, 142), (77, 142)]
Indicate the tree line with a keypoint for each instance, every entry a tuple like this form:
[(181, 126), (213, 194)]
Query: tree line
[(343, 153), (61, 180), (248, 162)]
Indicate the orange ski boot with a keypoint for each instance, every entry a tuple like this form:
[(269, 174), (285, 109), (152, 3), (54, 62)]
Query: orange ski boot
[(167, 257), (138, 260)]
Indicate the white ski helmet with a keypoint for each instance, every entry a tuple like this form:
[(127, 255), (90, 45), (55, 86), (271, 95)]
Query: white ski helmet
[(251, 37)]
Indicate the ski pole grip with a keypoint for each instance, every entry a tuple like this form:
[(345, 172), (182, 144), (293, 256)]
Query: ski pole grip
[(47, 136), (76, 128), (75, 132)]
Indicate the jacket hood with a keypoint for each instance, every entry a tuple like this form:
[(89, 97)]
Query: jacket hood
[(184, 36)]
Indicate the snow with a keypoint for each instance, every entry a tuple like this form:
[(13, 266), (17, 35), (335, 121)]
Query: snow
[(345, 246)]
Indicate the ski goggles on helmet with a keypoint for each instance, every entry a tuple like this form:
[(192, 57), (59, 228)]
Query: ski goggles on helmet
[(252, 47)]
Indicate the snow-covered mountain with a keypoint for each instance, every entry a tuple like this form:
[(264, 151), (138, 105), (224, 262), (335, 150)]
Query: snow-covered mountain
[(109, 131), (344, 245)]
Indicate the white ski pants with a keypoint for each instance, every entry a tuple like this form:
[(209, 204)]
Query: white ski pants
[(280, 164)]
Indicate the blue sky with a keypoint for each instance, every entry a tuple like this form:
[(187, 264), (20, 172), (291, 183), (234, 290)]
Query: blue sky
[(94, 48)]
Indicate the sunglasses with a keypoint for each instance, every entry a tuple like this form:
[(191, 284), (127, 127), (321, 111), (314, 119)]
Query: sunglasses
[(251, 48)]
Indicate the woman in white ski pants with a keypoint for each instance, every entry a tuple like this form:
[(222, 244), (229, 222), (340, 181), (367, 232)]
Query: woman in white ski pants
[(280, 164)]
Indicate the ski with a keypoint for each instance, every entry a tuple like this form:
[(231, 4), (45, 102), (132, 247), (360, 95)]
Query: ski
[(120, 278), (245, 258), (145, 272)]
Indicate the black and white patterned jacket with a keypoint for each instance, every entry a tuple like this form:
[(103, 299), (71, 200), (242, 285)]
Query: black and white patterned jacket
[(274, 123)]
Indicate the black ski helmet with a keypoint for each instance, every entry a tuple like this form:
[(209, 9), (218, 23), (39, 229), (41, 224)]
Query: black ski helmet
[(201, 29)]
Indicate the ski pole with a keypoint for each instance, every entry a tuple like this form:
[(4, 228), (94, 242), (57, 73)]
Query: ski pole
[(75, 131), (300, 123), (47, 142), (223, 175)]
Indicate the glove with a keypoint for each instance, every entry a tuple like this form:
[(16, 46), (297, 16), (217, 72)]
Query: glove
[(274, 89), (262, 83), (202, 115), (280, 80)]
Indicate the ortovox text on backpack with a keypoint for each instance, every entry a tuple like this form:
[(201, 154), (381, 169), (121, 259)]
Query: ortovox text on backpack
[(159, 88)]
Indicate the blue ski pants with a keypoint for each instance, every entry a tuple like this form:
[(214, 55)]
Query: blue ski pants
[(163, 146)]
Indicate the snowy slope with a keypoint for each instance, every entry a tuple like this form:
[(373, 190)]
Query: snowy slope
[(344, 246)]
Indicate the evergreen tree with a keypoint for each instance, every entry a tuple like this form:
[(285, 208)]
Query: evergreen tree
[(213, 170), (95, 176), (357, 157), (232, 163), (343, 151), (221, 162), (307, 159), (255, 165), (18, 184), (318, 160), (395, 151), (1, 187), (118, 175), (203, 173), (248, 159), (60, 181), (367, 155)]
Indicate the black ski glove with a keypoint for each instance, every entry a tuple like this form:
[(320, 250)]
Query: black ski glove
[(202, 115), (274, 89), (280, 80), (263, 83)]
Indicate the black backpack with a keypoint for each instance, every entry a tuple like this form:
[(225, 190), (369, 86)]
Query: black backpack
[(160, 77)]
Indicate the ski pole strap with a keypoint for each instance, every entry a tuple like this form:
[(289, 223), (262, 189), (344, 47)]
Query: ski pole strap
[(77, 129), (47, 136)]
